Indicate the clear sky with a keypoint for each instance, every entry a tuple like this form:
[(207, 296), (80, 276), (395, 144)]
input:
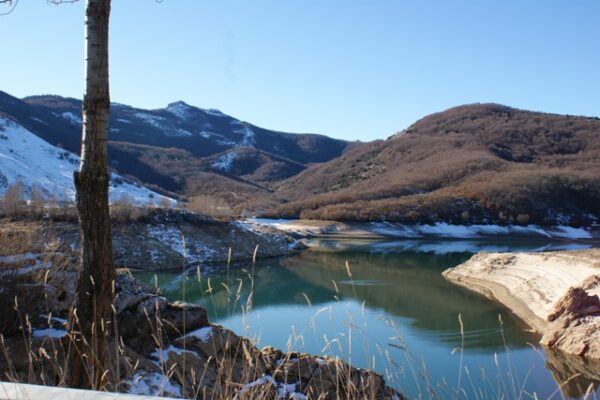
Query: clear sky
[(345, 68)]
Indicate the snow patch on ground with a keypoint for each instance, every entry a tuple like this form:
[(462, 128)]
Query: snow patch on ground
[(285, 225), (27, 158), (284, 390), (41, 262), (193, 251), (162, 355), (153, 384), (49, 332), (225, 162), (438, 230), (202, 334), (18, 258), (267, 233)]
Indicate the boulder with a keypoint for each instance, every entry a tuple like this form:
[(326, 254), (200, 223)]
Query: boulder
[(575, 323)]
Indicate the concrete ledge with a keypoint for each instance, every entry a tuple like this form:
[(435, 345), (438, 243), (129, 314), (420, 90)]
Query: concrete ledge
[(20, 391)]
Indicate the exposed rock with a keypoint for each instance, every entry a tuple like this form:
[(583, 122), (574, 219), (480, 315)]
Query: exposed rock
[(171, 349), (576, 373), (555, 292), (575, 327), (326, 377), (224, 365), (576, 303), (167, 239)]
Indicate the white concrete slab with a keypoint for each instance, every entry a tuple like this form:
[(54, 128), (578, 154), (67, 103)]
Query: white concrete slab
[(19, 391)]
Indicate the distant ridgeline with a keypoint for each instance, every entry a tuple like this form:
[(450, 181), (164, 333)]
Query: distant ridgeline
[(480, 163), (181, 150)]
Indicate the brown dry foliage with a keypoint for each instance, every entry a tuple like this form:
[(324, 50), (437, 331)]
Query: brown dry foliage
[(496, 163), (212, 206)]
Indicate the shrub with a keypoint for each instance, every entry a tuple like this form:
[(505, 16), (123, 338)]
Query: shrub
[(213, 206), (124, 210), (13, 202)]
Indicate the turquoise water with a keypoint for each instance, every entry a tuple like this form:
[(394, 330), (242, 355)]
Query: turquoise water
[(385, 305)]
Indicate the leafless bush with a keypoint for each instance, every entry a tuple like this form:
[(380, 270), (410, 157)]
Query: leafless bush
[(37, 202), (213, 206), (13, 201), (124, 210)]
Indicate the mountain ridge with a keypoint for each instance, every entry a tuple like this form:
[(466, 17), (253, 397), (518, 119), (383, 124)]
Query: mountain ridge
[(170, 149), (478, 163), (475, 163)]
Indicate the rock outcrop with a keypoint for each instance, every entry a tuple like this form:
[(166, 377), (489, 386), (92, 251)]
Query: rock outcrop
[(556, 293), (166, 239), (170, 349), (575, 323)]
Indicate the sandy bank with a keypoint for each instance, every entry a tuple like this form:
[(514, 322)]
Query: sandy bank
[(556, 293)]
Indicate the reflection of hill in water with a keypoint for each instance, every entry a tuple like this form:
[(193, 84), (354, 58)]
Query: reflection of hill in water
[(437, 246), (407, 285), (410, 285)]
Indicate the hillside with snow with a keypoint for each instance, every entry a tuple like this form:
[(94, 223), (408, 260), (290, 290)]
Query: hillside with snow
[(181, 148), (26, 158)]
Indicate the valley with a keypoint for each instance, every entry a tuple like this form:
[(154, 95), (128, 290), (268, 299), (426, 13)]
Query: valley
[(313, 245), (473, 164)]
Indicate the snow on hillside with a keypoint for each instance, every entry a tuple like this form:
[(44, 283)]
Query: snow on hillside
[(214, 112), (182, 110), (154, 120), (72, 118), (179, 109), (248, 136), (225, 162), (27, 158)]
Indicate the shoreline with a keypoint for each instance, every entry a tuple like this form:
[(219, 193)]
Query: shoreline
[(323, 229), (554, 293), (501, 295)]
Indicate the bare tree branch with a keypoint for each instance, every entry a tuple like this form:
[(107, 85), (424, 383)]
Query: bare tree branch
[(10, 3), (13, 4)]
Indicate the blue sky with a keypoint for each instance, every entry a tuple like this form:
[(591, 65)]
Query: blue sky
[(345, 68)]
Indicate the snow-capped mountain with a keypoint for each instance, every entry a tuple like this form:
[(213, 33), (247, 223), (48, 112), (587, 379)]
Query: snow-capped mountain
[(181, 148), (26, 158), (202, 132)]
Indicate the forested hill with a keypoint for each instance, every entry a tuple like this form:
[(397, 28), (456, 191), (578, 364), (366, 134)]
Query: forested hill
[(480, 163)]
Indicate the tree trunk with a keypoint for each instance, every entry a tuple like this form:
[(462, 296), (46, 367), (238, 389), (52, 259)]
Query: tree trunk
[(90, 319)]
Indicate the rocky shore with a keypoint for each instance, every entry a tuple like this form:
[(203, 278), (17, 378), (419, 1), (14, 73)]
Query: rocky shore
[(162, 348), (556, 293), (164, 239)]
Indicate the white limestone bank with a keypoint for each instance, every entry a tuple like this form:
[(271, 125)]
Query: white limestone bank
[(556, 293)]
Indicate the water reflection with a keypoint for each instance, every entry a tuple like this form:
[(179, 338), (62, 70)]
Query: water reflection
[(385, 284), (444, 246)]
